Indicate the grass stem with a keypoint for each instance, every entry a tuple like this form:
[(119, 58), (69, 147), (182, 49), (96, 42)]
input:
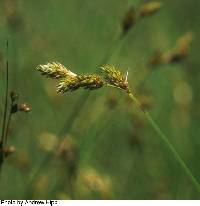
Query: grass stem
[(167, 142), (5, 113)]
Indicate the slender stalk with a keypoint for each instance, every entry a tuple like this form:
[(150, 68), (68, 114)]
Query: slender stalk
[(6, 103), (5, 113), (8, 126), (166, 141)]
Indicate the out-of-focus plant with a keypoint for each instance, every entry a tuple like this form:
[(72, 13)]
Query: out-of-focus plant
[(177, 54)]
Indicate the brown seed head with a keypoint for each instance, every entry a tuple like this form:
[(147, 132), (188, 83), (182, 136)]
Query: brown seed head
[(181, 49), (24, 107), (9, 150)]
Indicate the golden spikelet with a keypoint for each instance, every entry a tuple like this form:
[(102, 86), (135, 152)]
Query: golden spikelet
[(55, 70), (113, 77), (68, 84), (149, 8), (91, 82)]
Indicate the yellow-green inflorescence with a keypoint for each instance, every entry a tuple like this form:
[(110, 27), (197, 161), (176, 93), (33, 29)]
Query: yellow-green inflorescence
[(69, 81), (113, 77), (55, 70), (91, 82)]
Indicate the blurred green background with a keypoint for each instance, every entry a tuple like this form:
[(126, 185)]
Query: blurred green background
[(96, 144)]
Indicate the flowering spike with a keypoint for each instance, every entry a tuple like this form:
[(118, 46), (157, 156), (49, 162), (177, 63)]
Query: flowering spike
[(68, 84), (55, 70), (149, 8), (113, 77), (91, 82)]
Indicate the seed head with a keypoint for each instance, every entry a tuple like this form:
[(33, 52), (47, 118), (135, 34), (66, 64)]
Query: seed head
[(92, 81), (149, 8), (113, 77), (181, 50), (24, 107), (55, 70), (8, 150), (68, 84)]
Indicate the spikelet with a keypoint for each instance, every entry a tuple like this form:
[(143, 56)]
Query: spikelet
[(113, 77), (181, 50), (68, 84), (9, 150), (55, 70), (24, 107), (91, 82), (149, 8)]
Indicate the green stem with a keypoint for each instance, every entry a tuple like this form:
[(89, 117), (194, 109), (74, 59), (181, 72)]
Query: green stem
[(7, 127), (2, 140), (166, 141)]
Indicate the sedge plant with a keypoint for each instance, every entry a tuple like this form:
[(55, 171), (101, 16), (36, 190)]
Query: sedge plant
[(111, 77)]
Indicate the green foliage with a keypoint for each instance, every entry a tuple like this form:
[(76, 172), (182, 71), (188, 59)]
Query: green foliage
[(98, 145)]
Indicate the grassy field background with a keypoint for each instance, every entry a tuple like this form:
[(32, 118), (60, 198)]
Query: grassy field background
[(101, 148)]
